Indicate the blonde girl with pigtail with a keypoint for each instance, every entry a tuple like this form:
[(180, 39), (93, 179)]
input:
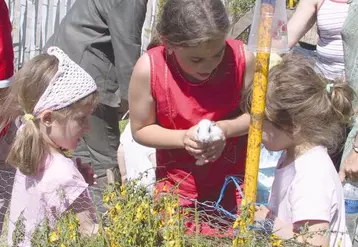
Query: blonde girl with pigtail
[(52, 98)]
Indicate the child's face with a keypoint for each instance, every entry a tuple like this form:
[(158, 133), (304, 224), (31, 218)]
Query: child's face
[(275, 139), (199, 62), (67, 133)]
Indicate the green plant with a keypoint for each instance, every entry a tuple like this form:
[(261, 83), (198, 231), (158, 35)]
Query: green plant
[(135, 217)]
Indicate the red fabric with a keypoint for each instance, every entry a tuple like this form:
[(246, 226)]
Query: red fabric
[(6, 50), (180, 105), (4, 131)]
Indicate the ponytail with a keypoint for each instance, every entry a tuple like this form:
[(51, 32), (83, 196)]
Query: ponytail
[(29, 149), (341, 97)]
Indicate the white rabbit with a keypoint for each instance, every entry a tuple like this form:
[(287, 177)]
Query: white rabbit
[(207, 132)]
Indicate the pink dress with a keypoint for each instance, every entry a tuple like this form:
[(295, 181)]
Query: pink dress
[(49, 194)]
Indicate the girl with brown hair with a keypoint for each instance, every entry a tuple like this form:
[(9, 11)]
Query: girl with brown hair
[(194, 73), (306, 115)]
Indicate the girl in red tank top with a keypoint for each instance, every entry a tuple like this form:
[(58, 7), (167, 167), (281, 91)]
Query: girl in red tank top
[(195, 74)]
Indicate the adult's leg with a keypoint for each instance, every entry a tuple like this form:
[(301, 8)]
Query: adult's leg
[(99, 148)]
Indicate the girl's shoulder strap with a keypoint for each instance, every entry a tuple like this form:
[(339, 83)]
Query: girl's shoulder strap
[(158, 64), (238, 49)]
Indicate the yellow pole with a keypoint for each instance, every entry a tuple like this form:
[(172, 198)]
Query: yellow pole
[(290, 4), (258, 104)]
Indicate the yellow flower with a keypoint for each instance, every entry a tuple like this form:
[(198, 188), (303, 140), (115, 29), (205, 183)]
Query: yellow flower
[(171, 243), (106, 198), (53, 237), (238, 242), (139, 215), (241, 224), (71, 226), (236, 223), (62, 245), (170, 210), (276, 241), (73, 236), (170, 221), (118, 207), (123, 190)]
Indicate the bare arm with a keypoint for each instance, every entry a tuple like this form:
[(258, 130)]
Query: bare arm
[(349, 166), (312, 232), (302, 20), (145, 130), (315, 233), (240, 125)]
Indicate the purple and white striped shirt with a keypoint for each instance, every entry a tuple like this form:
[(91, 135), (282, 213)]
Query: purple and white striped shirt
[(330, 57)]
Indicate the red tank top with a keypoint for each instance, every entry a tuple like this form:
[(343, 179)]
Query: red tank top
[(181, 105)]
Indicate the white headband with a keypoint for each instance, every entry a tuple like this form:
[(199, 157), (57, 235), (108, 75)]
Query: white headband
[(70, 84)]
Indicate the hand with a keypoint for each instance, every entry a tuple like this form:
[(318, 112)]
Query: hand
[(214, 150), (191, 145), (87, 172), (349, 167), (261, 213)]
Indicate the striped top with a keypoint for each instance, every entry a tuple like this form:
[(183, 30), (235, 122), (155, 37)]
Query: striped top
[(330, 57)]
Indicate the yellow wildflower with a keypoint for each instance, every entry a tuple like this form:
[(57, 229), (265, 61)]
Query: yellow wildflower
[(73, 235), (236, 223), (170, 221), (71, 226), (118, 207), (238, 242), (170, 210), (123, 190), (105, 198), (53, 237), (276, 241), (139, 215), (62, 245), (145, 205)]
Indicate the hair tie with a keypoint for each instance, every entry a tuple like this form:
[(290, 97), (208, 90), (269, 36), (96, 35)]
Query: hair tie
[(29, 117), (329, 88)]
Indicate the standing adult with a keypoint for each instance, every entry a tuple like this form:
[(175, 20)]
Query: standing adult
[(329, 16), (349, 166)]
